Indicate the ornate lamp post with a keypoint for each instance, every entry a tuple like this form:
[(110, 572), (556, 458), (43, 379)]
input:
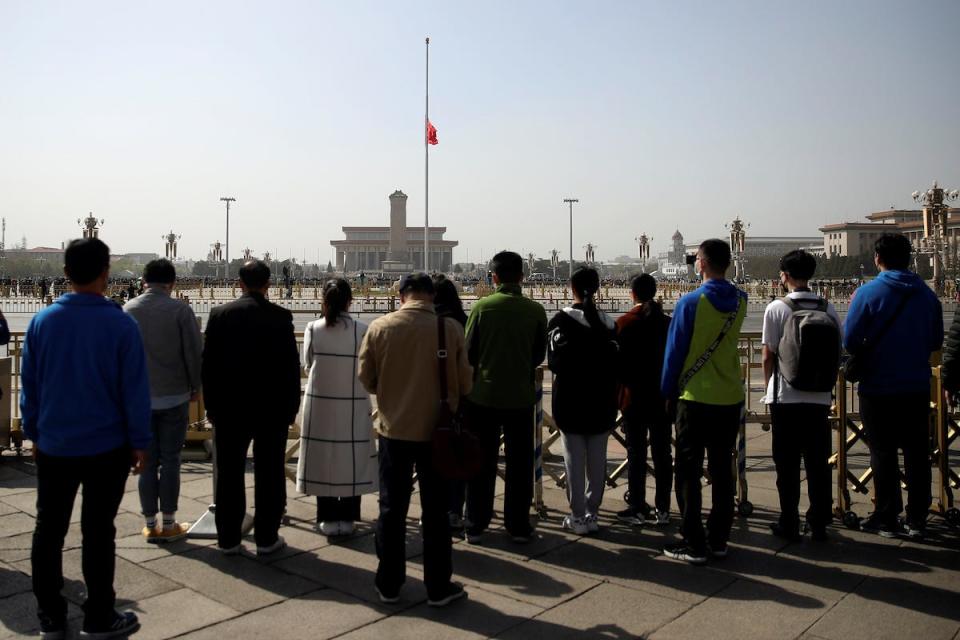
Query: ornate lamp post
[(171, 246), (738, 243), (935, 242), (590, 255), (643, 248), (554, 263), (91, 226)]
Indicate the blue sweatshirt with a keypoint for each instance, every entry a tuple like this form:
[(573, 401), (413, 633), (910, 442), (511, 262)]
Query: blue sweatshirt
[(900, 361), (84, 387), (697, 320)]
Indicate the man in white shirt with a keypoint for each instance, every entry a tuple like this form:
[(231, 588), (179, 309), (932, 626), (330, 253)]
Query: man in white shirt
[(799, 417)]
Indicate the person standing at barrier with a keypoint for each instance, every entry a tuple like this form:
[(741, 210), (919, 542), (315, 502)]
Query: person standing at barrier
[(701, 381), (582, 354), (338, 458), (171, 337), (642, 336), (894, 323), (801, 357), (506, 340), (85, 404), (251, 387), (400, 362)]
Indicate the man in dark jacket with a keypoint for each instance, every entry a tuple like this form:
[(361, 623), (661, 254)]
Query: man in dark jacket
[(642, 335), (895, 388), (251, 386)]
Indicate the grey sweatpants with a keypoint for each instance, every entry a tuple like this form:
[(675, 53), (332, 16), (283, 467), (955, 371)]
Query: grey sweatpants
[(585, 458)]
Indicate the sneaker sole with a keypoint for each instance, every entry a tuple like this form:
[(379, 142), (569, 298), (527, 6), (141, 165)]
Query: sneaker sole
[(637, 522), (166, 539), (106, 635), (387, 600), (688, 560), (445, 601), (53, 635)]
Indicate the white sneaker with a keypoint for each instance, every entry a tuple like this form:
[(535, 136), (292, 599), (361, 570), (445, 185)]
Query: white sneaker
[(232, 551), (577, 525), (345, 527), (273, 548), (593, 523), (328, 528)]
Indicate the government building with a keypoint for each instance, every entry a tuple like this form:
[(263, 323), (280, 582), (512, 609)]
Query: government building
[(394, 249), (857, 238)]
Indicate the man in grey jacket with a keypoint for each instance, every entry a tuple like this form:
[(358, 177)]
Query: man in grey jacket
[(171, 337)]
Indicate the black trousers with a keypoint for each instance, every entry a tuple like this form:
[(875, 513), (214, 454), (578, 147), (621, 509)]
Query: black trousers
[(517, 428), (711, 428), (331, 509), (270, 488), (103, 478), (802, 430), (398, 459), (902, 422), (642, 427)]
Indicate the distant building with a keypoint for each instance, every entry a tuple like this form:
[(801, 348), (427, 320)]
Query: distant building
[(773, 246), (394, 249), (857, 238), (50, 255), (138, 259)]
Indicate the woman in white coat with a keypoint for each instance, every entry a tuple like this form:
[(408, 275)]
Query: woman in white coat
[(338, 457)]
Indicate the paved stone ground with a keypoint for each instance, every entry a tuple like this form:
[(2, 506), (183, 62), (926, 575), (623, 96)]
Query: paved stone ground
[(614, 584)]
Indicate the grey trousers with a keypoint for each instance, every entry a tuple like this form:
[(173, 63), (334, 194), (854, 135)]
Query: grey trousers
[(585, 459)]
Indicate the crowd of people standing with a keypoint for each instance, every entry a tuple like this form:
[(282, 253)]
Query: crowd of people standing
[(106, 391)]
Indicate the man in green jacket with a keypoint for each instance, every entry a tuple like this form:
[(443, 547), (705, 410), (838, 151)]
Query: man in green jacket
[(506, 342)]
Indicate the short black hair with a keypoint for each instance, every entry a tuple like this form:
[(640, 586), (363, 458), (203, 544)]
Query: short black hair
[(798, 264), (717, 253), (893, 250), (508, 266), (85, 259), (255, 274), (159, 271), (644, 287), (418, 282)]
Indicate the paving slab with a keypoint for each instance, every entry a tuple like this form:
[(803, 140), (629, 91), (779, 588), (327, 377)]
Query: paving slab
[(746, 608), (16, 523), (7, 509), (136, 549), (14, 481), (13, 581), (325, 613), (607, 611), (18, 616), (177, 612), (236, 581)]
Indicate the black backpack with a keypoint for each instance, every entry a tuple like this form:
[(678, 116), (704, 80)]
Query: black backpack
[(808, 355)]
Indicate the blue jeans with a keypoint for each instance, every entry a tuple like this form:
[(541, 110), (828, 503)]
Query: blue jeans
[(160, 480)]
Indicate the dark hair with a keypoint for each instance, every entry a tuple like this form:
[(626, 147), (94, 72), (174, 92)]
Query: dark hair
[(336, 298), (644, 287), (255, 274), (894, 250), (418, 282), (798, 264), (159, 271), (585, 282), (85, 259), (508, 266), (717, 253), (446, 293)]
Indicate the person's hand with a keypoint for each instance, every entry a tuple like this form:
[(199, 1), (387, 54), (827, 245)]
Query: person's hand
[(138, 460)]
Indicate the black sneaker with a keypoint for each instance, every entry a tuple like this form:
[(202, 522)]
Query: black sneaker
[(873, 525), (454, 591), (916, 530), (819, 534), (120, 625), (791, 534), (683, 552), (717, 550), (631, 515), (52, 628)]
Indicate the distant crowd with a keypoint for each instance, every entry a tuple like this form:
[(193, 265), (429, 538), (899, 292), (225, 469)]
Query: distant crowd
[(106, 391)]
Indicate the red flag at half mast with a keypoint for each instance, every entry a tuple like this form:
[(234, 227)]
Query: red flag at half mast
[(431, 133)]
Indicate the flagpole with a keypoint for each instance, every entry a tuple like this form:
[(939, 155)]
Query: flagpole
[(426, 172)]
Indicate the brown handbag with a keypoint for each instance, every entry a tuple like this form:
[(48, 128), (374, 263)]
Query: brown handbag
[(456, 451)]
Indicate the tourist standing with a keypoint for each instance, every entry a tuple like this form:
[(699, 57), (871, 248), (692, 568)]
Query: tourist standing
[(338, 458), (171, 337), (582, 354), (400, 360), (506, 341), (701, 378), (801, 355), (894, 323), (251, 387), (642, 336), (85, 403)]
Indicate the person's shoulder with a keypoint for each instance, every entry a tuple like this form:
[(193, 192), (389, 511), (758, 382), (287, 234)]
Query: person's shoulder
[(775, 307)]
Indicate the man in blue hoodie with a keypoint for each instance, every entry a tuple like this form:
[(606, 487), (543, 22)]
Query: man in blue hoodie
[(895, 322), (85, 402), (701, 381)]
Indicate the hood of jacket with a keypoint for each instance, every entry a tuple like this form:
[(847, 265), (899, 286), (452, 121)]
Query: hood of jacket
[(722, 294), (578, 315), (901, 280)]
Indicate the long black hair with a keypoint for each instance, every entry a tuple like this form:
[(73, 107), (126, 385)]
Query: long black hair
[(585, 282), (446, 300), (336, 298)]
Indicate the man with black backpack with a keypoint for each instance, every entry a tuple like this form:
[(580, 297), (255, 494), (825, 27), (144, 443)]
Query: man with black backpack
[(801, 358)]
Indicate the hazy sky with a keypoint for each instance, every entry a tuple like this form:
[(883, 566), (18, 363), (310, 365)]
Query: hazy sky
[(656, 115)]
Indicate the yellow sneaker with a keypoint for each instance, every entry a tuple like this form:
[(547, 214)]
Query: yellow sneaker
[(170, 534), (150, 534)]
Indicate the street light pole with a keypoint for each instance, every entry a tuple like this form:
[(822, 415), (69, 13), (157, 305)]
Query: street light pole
[(570, 201), (226, 270)]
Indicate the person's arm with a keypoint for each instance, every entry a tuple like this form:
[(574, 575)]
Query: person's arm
[(558, 345), (540, 339), (367, 360), (135, 393), (770, 338), (210, 367), (936, 328), (678, 345), (4, 330), (306, 356), (29, 388), (463, 368), (290, 367), (951, 352), (472, 331), (854, 328), (192, 344)]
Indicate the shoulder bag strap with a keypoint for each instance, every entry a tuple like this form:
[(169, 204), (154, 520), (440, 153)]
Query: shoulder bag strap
[(702, 360), (869, 343), (442, 358)]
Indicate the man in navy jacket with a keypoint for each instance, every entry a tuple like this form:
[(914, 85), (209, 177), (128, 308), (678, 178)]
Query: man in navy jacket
[(895, 389), (85, 402)]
